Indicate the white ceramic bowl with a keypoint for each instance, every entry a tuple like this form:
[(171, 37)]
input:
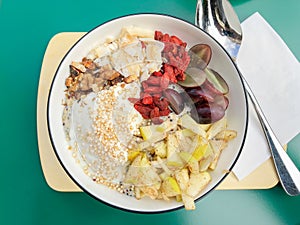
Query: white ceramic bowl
[(237, 112)]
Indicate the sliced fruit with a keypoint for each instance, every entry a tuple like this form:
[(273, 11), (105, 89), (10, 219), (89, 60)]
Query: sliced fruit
[(173, 159), (200, 151), (209, 113), (188, 122), (184, 142), (197, 183), (182, 178), (147, 132), (187, 133), (160, 149), (214, 162), (216, 128), (162, 164), (226, 135), (170, 187), (141, 173), (175, 100), (172, 145), (154, 133), (150, 190), (187, 157), (191, 162), (188, 201), (199, 94), (175, 162), (217, 80), (132, 154), (206, 160), (217, 145), (200, 55), (194, 77)]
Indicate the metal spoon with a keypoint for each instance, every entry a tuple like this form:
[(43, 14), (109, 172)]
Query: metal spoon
[(218, 18)]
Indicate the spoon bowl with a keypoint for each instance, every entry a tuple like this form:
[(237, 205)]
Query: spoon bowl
[(218, 18)]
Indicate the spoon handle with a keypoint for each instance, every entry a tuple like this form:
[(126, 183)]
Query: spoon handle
[(288, 173)]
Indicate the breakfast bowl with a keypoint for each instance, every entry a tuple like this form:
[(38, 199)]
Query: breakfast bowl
[(147, 113)]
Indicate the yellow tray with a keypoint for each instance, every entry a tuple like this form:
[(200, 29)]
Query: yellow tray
[(263, 177)]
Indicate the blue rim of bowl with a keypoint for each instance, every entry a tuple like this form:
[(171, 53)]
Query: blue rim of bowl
[(119, 207)]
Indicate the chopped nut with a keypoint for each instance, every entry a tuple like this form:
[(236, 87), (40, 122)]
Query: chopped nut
[(88, 63), (79, 66), (116, 80), (73, 71), (130, 79), (114, 75), (69, 82)]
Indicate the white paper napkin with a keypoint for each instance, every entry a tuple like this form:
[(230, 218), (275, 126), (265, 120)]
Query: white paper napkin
[(273, 74)]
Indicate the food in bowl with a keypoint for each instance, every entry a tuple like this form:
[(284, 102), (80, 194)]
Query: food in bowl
[(146, 116), (88, 168)]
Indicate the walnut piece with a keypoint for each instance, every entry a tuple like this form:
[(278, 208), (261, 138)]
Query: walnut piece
[(130, 79)]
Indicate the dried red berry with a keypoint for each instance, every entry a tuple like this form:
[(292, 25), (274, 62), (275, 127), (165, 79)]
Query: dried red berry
[(144, 84), (153, 80), (144, 111), (154, 112), (157, 73), (162, 104), (164, 81), (178, 41), (164, 112), (153, 90), (147, 99), (133, 100), (158, 35)]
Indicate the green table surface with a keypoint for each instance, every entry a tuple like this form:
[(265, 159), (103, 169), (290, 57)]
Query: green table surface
[(26, 27)]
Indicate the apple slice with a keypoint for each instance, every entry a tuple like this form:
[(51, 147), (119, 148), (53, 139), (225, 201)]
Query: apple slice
[(195, 77)]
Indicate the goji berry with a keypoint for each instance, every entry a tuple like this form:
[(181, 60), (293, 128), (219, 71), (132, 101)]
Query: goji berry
[(147, 99), (180, 76), (178, 41), (167, 68), (158, 35), (133, 100), (162, 104), (153, 90), (144, 111), (164, 81), (157, 95), (154, 112), (138, 103), (165, 38), (168, 47), (156, 98), (157, 73), (174, 50), (153, 81), (145, 114), (164, 112), (144, 84)]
